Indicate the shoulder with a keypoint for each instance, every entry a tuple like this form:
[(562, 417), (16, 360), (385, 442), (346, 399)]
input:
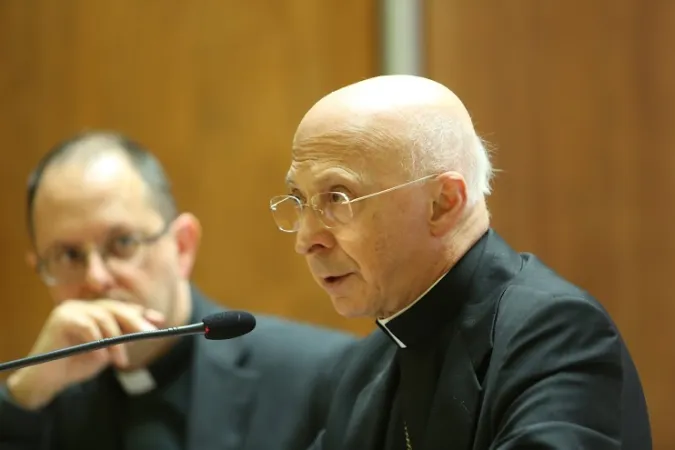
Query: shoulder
[(280, 341), (281, 337), (289, 329), (541, 316), (540, 298), (279, 332), (554, 344)]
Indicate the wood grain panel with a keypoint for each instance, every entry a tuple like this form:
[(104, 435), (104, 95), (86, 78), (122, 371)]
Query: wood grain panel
[(215, 88), (579, 99)]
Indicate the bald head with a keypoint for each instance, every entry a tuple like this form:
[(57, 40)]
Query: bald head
[(390, 95), (396, 177), (412, 120)]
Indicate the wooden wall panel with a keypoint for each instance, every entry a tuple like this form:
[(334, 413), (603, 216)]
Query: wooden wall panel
[(578, 98), (215, 88)]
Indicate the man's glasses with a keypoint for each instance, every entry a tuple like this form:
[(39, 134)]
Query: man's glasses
[(332, 208), (69, 264)]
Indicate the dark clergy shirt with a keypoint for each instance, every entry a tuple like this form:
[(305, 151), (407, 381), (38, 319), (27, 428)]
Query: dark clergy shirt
[(154, 403), (422, 333)]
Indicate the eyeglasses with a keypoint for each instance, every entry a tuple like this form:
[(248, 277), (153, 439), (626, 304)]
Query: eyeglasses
[(332, 208), (68, 264)]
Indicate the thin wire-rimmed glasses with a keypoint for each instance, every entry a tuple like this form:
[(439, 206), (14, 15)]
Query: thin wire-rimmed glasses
[(66, 265), (332, 208)]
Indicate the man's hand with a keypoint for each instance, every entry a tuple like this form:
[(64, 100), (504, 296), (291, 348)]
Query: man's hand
[(71, 323)]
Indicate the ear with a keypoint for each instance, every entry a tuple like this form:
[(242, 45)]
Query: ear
[(448, 203), (32, 260), (187, 232)]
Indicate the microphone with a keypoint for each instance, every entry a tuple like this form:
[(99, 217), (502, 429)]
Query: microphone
[(218, 326)]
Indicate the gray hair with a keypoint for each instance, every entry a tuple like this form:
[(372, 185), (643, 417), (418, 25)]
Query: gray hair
[(440, 145)]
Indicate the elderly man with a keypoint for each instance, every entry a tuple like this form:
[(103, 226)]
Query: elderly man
[(117, 257), (478, 347)]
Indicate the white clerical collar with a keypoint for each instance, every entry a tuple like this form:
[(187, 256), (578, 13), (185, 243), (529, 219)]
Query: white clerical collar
[(383, 322), (136, 382)]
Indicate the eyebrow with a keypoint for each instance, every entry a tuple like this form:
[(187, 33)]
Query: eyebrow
[(114, 231), (334, 174)]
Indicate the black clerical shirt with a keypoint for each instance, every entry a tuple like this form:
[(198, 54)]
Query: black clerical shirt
[(157, 419), (423, 333)]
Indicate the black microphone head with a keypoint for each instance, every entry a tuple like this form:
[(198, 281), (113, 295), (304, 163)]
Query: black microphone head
[(228, 324)]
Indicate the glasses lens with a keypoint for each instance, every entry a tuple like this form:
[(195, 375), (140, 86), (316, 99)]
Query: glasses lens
[(286, 212), (63, 265), (334, 208)]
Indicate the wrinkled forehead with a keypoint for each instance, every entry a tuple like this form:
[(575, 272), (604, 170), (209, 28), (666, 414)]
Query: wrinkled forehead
[(349, 151), (311, 178), (326, 160)]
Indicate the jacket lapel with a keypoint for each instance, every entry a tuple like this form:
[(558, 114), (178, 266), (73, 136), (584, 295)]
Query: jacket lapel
[(458, 397), (367, 427), (456, 402)]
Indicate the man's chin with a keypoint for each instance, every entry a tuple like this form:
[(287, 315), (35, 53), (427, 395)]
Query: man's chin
[(350, 307)]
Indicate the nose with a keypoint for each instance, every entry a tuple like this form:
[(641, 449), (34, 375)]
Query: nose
[(312, 235), (98, 277)]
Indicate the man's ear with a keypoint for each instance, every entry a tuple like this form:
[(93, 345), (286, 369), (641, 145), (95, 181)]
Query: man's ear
[(32, 260), (448, 202), (188, 233)]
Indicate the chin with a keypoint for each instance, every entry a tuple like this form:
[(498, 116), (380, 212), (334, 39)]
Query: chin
[(350, 308)]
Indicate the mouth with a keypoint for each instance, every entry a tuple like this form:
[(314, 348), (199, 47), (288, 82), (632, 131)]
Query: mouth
[(333, 282), (334, 279)]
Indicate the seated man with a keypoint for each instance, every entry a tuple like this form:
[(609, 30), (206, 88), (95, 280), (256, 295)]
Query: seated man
[(117, 258), (479, 347)]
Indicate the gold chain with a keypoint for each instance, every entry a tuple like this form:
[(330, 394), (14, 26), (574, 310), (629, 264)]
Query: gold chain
[(408, 445)]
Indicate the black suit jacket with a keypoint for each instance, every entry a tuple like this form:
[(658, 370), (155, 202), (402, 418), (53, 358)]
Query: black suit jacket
[(534, 363), (267, 390)]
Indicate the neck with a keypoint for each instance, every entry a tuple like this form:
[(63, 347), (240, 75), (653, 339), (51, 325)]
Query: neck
[(454, 246), (468, 232)]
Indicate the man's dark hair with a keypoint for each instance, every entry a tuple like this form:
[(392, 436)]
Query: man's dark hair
[(140, 159)]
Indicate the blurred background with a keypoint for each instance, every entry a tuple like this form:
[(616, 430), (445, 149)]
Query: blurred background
[(577, 99)]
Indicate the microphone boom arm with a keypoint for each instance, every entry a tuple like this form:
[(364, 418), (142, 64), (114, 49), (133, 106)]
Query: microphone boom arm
[(217, 326), (195, 328)]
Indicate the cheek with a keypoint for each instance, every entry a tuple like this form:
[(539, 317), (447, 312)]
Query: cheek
[(132, 279), (369, 244), (146, 280), (62, 293), (391, 243)]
